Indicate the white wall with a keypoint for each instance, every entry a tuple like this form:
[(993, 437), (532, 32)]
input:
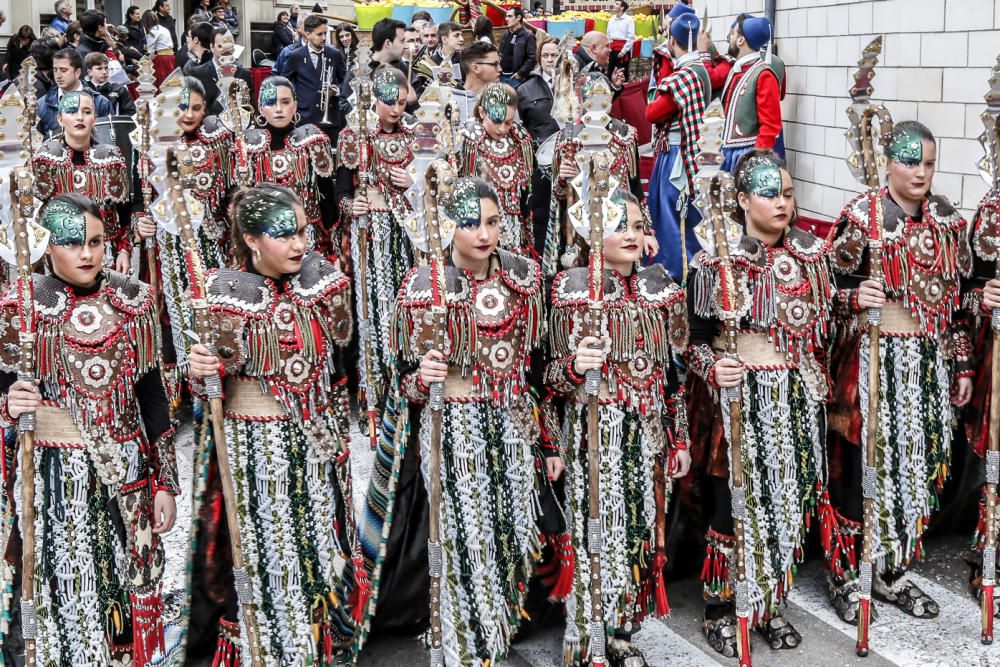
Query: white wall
[(935, 64)]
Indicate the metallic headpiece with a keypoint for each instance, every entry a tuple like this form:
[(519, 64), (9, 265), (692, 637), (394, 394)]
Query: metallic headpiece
[(906, 147), (496, 100), (70, 103), (67, 224), (385, 85), (464, 207), (762, 176), (265, 212), (268, 95), (185, 100)]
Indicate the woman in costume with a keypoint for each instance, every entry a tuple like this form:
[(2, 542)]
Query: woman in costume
[(784, 298), (496, 147), (925, 369), (283, 320), (209, 143), (381, 158), (647, 323), (74, 162), (105, 472), (495, 319), (298, 157)]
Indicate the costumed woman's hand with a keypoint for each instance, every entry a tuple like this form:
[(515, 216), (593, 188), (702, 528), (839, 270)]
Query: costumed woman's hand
[(359, 207), (871, 294), (991, 294), (961, 391), (202, 363), (680, 463), (123, 262), (400, 177), (23, 397), (145, 226), (650, 246), (554, 467), (432, 368), (589, 354), (164, 512), (728, 372), (568, 169)]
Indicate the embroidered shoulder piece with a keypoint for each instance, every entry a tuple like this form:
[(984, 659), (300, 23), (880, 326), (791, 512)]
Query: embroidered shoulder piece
[(129, 295), (473, 132), (414, 303), (103, 177), (656, 289), (348, 153), (239, 292), (317, 280), (408, 122), (257, 140), (521, 273), (852, 236), (212, 129), (622, 132), (53, 150), (310, 139), (986, 229)]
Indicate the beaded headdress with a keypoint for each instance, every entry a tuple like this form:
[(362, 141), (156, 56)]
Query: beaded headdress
[(464, 207), (495, 102), (185, 100), (268, 95), (762, 176), (266, 213), (385, 85), (70, 103), (67, 223), (906, 147)]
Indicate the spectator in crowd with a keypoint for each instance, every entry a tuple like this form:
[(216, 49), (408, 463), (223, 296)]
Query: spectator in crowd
[(282, 34), (411, 45), (482, 31), (538, 9), (72, 35), (209, 73), (18, 48), (158, 46), (95, 33), (480, 66), (97, 81), (594, 55), (279, 62), (517, 49), (231, 17), (534, 96), (304, 67), (64, 12), (203, 9), (388, 39), (621, 34), (162, 9), (293, 16), (42, 51), (199, 46), (423, 17), (346, 40), (136, 33), (450, 40), (429, 37), (219, 18), (127, 56), (67, 69)]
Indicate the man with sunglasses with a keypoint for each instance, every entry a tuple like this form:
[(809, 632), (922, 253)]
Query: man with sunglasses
[(480, 66)]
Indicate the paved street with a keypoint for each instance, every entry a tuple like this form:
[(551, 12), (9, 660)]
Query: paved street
[(951, 640)]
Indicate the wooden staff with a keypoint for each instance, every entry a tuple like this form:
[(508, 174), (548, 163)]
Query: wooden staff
[(720, 198), (180, 168), (21, 200), (439, 181), (870, 131), (363, 89), (989, 168), (143, 119)]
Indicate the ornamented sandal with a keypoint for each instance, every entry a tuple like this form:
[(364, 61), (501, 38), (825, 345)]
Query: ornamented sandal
[(907, 596), (780, 634), (623, 653), (844, 598), (721, 634)]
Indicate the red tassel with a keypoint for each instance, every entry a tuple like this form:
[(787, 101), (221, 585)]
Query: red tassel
[(558, 573), (362, 592), (743, 645), (987, 608), (660, 586), (227, 653), (864, 618), (147, 627)]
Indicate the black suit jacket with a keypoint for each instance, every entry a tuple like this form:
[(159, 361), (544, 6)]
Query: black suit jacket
[(298, 69), (209, 77)]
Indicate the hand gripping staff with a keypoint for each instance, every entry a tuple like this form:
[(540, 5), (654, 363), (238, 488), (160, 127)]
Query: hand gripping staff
[(870, 131), (717, 200), (989, 169), (180, 169), (22, 244), (595, 217)]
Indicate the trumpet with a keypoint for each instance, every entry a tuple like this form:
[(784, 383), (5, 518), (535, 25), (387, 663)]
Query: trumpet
[(328, 88)]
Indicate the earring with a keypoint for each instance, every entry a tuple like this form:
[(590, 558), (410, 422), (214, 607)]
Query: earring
[(261, 121), (296, 118), (256, 255)]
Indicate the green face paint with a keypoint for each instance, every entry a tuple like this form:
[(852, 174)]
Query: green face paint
[(906, 148), (268, 95), (282, 223), (464, 207), (496, 102), (385, 86), (70, 103), (66, 223), (763, 176)]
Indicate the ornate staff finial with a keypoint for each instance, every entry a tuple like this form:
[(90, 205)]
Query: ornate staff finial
[(867, 138)]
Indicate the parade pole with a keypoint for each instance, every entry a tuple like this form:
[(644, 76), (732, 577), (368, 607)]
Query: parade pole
[(180, 168), (717, 199), (144, 122), (363, 91), (28, 244), (989, 168), (871, 130)]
